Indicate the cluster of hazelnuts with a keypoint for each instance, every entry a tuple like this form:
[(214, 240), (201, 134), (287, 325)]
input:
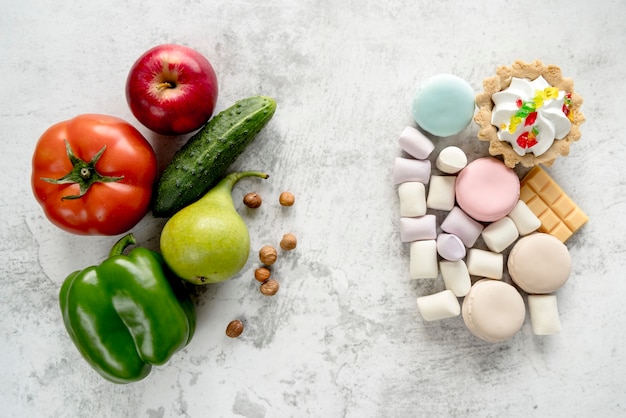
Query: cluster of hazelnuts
[(267, 256)]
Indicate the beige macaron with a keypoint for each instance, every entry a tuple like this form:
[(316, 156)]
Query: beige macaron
[(539, 263), (493, 310)]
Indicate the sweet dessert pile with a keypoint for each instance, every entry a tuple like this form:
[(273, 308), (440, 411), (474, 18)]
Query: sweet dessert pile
[(493, 222)]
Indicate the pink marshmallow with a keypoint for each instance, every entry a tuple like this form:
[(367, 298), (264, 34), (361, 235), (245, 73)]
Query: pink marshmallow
[(450, 247), (463, 226), (419, 228), (415, 143), (408, 169)]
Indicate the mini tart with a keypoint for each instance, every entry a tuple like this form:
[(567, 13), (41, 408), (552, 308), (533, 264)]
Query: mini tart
[(501, 81)]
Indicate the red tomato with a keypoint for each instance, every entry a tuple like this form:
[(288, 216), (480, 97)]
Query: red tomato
[(93, 175)]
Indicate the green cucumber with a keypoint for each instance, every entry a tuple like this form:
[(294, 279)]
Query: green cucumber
[(204, 159)]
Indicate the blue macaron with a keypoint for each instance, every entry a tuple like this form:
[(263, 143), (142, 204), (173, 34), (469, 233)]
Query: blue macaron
[(444, 105)]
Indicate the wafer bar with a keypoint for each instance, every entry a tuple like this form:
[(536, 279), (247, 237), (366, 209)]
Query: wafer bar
[(559, 215)]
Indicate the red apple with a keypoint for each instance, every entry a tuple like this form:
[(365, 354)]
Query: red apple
[(172, 89)]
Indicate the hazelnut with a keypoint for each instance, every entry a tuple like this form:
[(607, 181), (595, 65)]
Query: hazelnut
[(267, 255), (262, 274), (288, 242), (286, 199), (269, 287), (234, 328), (252, 200)]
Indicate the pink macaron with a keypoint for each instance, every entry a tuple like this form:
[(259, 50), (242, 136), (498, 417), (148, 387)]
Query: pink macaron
[(487, 190)]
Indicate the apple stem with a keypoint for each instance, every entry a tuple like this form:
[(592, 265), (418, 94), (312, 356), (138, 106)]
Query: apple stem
[(165, 85)]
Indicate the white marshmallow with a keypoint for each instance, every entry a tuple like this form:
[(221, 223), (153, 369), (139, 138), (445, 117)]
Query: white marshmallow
[(438, 306), (456, 277), (462, 225), (419, 228), (450, 247), (408, 169), (485, 263), (423, 259), (524, 218), (544, 314), (441, 192), (500, 234), (451, 160), (416, 143), (412, 199)]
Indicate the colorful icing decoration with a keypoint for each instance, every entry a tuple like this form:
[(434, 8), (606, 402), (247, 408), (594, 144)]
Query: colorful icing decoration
[(531, 115), (444, 105)]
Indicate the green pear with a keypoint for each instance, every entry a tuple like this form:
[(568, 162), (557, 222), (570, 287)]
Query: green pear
[(208, 241)]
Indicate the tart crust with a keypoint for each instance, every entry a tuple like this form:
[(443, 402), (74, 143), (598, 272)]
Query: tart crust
[(502, 80)]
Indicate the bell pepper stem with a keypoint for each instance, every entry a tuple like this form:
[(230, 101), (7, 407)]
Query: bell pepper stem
[(120, 246)]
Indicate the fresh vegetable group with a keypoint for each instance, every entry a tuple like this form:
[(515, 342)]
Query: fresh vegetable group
[(97, 175)]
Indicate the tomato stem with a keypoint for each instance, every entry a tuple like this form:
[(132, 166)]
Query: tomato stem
[(83, 173)]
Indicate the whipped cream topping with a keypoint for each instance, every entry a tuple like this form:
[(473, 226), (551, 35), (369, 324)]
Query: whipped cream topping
[(531, 115)]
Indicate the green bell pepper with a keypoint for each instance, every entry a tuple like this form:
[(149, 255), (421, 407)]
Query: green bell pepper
[(128, 313)]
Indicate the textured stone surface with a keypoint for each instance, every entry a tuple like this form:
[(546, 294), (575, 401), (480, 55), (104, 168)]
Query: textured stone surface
[(343, 337)]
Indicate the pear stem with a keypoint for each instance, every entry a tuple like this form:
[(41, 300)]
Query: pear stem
[(231, 179)]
